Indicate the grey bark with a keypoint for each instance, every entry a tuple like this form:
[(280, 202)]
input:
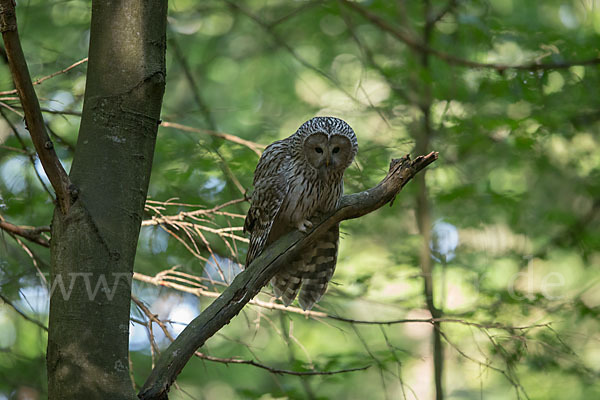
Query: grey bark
[(93, 244)]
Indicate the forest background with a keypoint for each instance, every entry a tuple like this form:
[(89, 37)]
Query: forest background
[(507, 219)]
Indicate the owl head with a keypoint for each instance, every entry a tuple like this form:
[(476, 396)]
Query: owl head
[(328, 145)]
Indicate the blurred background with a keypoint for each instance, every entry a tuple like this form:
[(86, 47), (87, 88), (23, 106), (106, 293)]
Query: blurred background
[(498, 240)]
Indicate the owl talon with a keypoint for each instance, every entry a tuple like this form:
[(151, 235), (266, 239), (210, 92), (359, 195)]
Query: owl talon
[(304, 225)]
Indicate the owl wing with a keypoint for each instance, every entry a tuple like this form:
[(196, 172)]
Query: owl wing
[(270, 188)]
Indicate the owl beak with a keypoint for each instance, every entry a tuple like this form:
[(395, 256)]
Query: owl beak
[(323, 172), (327, 161)]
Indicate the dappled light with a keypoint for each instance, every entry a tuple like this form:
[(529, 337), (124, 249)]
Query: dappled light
[(480, 281)]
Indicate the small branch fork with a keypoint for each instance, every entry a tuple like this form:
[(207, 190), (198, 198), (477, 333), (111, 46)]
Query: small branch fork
[(248, 283), (191, 228), (33, 116)]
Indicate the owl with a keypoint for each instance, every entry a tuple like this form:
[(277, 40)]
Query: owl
[(298, 180)]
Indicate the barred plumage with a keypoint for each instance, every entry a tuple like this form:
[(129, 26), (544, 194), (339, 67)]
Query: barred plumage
[(297, 179)]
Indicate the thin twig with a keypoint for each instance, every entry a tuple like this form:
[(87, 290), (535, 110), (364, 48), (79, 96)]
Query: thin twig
[(30, 233), (62, 112), (202, 211), (451, 59), (232, 360), (206, 113), (30, 155), (33, 115), (16, 149), (277, 370), (202, 105), (432, 19), (10, 108), (512, 380), (255, 147), (193, 223), (278, 39), (52, 75), (296, 11), (164, 278), (22, 314)]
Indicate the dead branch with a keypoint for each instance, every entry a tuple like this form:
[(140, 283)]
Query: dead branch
[(189, 227), (30, 233), (279, 40), (192, 285), (255, 147), (15, 149), (432, 19), (276, 371), (248, 283), (33, 116), (52, 75)]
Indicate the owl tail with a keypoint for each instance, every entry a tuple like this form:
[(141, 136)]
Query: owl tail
[(312, 272), (285, 286), (319, 270), (287, 282)]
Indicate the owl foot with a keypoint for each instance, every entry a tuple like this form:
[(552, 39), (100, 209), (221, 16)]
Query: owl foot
[(304, 225)]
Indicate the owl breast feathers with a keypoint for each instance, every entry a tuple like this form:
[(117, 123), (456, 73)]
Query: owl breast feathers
[(298, 179)]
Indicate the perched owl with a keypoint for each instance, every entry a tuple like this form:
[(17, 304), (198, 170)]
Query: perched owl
[(297, 179)]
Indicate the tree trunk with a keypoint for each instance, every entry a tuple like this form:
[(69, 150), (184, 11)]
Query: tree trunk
[(93, 244)]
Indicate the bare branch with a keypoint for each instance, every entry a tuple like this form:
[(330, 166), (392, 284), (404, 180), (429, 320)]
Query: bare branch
[(62, 112), (52, 75), (513, 380), (30, 154), (193, 86), (163, 278), (33, 115), (32, 234), (35, 260), (22, 314), (280, 41), (248, 283), (255, 147), (276, 370), (296, 11), (432, 19), (15, 149), (232, 360), (187, 227), (168, 278), (201, 210), (451, 59)]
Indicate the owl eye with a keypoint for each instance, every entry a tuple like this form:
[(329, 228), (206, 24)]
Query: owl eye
[(336, 150), (319, 150)]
